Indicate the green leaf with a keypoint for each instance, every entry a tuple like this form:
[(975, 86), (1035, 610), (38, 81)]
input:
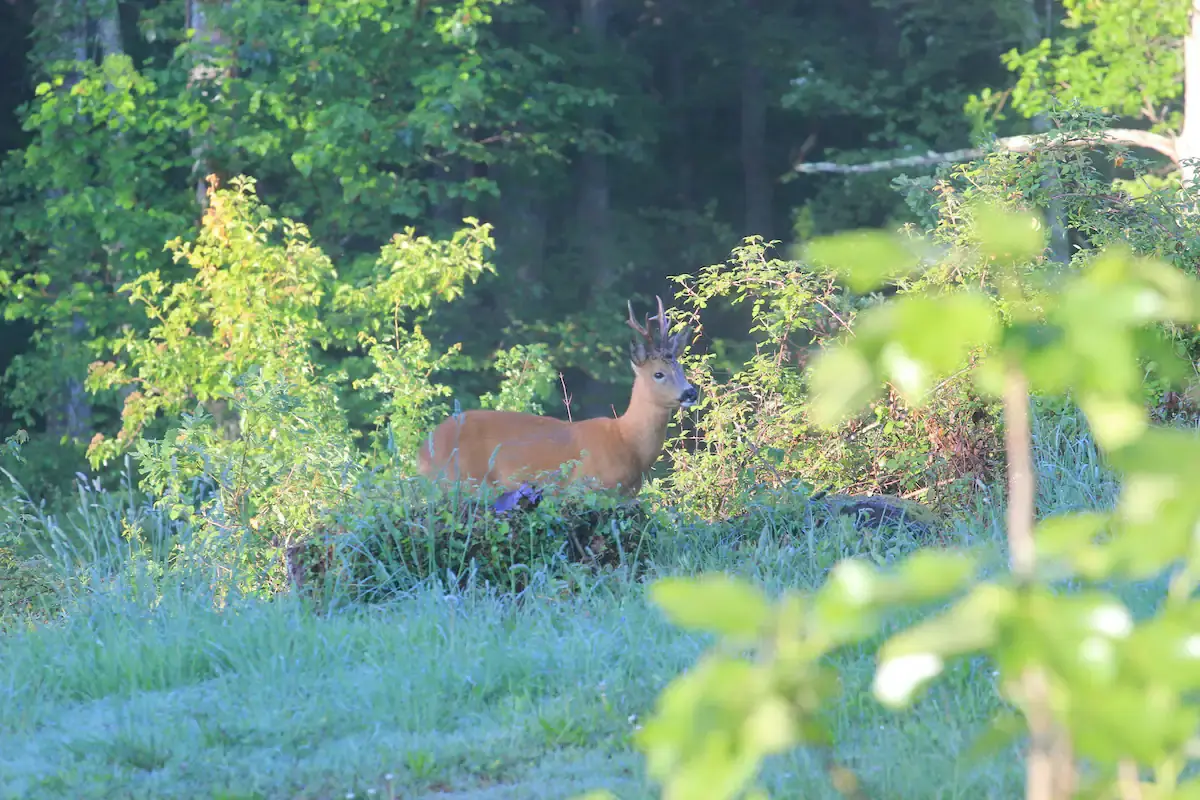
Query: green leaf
[(913, 656), (1158, 508), (864, 259), (846, 602), (771, 727), (1009, 237), (714, 603), (692, 742), (1115, 421), (841, 382), (1155, 346), (933, 336), (1076, 636), (1110, 723), (1071, 539), (303, 163), (1165, 650), (932, 575), (1161, 451), (1187, 790)]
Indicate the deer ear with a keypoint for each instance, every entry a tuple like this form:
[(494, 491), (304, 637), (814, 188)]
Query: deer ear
[(637, 352), (679, 340)]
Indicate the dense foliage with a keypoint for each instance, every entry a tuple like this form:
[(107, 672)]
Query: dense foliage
[(251, 252), (611, 145)]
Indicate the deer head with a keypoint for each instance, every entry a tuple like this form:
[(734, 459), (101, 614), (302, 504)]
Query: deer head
[(654, 357)]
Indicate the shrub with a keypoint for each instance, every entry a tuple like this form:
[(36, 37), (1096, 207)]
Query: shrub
[(753, 429), (1107, 702), (236, 426), (754, 425), (394, 532)]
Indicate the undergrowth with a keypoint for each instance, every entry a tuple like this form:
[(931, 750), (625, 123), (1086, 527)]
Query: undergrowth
[(155, 678)]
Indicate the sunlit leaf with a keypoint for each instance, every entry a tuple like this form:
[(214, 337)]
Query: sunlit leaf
[(1187, 790), (771, 727), (845, 602), (1165, 650), (913, 656), (1114, 722), (1114, 421), (930, 337), (864, 259), (716, 603), (691, 742), (840, 384), (1071, 539), (932, 575), (1009, 236), (898, 677)]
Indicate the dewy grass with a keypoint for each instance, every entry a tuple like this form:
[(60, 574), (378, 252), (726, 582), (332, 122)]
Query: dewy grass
[(468, 692)]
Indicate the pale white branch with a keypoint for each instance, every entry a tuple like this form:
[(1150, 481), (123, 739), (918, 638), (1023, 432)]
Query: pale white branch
[(1026, 143)]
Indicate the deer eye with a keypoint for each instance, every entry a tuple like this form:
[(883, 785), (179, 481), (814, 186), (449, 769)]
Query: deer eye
[(658, 376)]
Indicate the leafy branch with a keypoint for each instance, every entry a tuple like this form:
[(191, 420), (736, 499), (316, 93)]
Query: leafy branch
[(1088, 681)]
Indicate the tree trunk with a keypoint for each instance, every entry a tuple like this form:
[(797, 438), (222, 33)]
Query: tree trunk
[(595, 229), (74, 30), (677, 15), (1187, 146), (756, 179), (108, 30), (1060, 245), (206, 76), (677, 86), (521, 227), (593, 217)]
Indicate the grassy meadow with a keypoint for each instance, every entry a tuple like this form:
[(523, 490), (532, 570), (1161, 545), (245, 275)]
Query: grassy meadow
[(141, 686)]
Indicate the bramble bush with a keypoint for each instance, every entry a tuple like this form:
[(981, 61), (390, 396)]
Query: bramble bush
[(754, 427), (1105, 702), (753, 431)]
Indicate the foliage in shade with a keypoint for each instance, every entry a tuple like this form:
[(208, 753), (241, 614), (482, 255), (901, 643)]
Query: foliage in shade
[(360, 119), (715, 724)]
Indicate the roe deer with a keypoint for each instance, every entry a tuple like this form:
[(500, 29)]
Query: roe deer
[(507, 448)]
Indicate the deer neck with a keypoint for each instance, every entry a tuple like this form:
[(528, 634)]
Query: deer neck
[(643, 426)]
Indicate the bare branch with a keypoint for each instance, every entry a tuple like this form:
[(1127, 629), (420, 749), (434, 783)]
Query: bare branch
[(1025, 143)]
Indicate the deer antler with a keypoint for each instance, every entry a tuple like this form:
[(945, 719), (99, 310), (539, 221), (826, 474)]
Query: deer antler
[(663, 323), (661, 342), (632, 322)]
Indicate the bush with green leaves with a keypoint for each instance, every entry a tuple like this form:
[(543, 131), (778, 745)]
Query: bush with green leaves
[(238, 425), (1106, 704), (1095, 190), (755, 425), (396, 532), (753, 431)]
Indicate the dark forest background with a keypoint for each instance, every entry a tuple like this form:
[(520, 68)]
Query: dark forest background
[(612, 144)]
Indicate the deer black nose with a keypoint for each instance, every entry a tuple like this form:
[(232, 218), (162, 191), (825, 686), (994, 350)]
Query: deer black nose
[(689, 395)]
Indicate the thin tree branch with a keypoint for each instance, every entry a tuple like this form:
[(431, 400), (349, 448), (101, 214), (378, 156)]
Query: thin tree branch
[(1026, 143), (1049, 764)]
